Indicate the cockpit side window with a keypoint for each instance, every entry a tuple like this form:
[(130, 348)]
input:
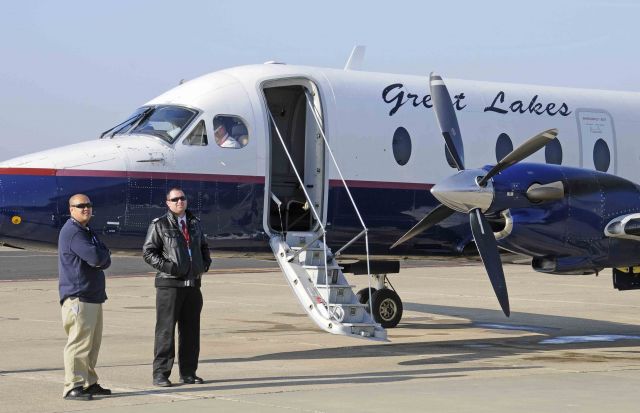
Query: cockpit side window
[(230, 132), (197, 137), (123, 127), (166, 122)]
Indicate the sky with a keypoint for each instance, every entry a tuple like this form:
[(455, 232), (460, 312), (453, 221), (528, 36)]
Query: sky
[(72, 69)]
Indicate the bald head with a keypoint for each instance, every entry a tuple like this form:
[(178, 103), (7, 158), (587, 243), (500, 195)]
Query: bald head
[(80, 208)]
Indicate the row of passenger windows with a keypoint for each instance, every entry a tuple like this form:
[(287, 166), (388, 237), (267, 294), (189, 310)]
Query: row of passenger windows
[(228, 132), (401, 145)]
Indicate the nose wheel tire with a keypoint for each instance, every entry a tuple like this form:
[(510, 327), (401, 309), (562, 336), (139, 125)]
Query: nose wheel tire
[(364, 295), (387, 307)]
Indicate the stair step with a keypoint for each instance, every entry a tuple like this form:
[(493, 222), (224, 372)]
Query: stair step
[(361, 329), (336, 293), (321, 267), (348, 305), (348, 312), (322, 288)]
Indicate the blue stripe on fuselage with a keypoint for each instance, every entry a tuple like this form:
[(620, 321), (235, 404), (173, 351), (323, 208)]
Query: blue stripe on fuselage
[(231, 213)]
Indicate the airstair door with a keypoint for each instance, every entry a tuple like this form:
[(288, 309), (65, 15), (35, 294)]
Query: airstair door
[(296, 160)]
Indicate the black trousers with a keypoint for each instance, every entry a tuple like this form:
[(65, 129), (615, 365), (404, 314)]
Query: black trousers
[(182, 306)]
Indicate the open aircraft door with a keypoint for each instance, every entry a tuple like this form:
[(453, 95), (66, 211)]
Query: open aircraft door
[(296, 171)]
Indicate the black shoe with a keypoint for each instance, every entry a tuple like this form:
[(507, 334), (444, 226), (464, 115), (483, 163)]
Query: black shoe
[(78, 394), (191, 380), (161, 381), (96, 389)]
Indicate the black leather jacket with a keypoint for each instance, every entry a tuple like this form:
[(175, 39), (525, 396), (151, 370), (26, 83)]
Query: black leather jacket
[(166, 250)]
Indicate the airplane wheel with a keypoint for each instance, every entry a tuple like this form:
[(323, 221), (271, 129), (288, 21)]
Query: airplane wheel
[(363, 296), (387, 307)]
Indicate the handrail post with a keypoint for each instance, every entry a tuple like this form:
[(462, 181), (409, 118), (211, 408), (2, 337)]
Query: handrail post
[(323, 232), (365, 231)]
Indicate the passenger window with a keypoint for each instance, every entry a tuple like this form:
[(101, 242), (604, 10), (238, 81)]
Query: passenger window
[(230, 132), (553, 152), (198, 137), (601, 155), (504, 146), (401, 145)]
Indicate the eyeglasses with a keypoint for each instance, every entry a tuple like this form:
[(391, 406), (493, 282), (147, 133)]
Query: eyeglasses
[(178, 198), (83, 206)]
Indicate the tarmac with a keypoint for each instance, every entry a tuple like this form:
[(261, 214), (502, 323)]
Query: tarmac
[(454, 350)]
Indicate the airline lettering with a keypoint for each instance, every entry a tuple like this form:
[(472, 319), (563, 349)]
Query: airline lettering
[(395, 95), (538, 108), (398, 98)]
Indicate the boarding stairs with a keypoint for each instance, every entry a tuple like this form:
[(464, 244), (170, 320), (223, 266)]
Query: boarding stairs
[(321, 287), (311, 268)]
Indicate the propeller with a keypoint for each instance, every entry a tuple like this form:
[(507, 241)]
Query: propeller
[(488, 249), (447, 120), (470, 190), (531, 146), (436, 215)]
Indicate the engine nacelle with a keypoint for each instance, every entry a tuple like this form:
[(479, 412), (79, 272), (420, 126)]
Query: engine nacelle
[(595, 225), (565, 265)]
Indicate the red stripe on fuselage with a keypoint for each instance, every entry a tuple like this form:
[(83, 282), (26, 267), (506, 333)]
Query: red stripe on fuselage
[(200, 177), (28, 171), (381, 185), (138, 175)]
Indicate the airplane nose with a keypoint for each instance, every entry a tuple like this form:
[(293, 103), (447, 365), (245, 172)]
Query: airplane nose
[(28, 207), (462, 193)]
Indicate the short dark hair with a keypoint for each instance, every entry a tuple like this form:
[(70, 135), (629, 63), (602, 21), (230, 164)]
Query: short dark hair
[(175, 188)]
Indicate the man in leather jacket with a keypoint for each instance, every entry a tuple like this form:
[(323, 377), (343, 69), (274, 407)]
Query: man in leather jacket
[(176, 247)]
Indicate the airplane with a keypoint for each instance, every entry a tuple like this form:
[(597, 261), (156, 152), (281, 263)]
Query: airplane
[(326, 169)]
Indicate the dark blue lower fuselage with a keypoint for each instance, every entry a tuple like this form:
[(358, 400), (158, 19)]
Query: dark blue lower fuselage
[(231, 213)]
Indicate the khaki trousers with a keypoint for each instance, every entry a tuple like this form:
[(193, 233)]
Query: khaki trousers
[(83, 324)]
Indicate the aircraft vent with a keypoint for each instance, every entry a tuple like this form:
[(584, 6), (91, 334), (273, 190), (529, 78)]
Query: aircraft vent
[(626, 226), (274, 62)]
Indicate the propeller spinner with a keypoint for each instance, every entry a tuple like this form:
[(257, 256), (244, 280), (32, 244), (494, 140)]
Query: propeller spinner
[(470, 190)]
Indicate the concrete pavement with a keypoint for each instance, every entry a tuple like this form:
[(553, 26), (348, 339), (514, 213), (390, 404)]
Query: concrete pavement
[(453, 352)]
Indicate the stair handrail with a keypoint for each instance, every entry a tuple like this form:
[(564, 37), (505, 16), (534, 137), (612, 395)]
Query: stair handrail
[(365, 231), (293, 165), (333, 158), (313, 209)]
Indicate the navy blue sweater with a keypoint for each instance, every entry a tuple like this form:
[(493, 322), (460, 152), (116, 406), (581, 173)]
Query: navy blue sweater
[(81, 259)]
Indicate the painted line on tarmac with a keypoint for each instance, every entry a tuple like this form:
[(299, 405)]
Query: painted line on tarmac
[(131, 391)]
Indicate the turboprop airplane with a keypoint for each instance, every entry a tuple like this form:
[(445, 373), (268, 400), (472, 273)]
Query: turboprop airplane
[(314, 166)]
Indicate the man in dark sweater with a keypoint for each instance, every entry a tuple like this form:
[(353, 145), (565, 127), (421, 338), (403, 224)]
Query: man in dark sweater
[(82, 257), (176, 247)]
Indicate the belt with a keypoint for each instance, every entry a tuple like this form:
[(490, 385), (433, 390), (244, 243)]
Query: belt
[(190, 283)]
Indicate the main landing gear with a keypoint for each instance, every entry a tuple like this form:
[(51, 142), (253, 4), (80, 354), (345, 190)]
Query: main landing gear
[(385, 303)]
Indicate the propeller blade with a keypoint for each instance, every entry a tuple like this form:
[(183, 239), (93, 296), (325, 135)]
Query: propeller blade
[(447, 120), (436, 215), (527, 148), (488, 249)]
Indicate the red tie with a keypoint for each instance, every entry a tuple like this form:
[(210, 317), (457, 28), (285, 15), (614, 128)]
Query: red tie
[(185, 232)]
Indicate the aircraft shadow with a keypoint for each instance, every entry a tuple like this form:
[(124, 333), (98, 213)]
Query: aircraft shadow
[(440, 359), (445, 351)]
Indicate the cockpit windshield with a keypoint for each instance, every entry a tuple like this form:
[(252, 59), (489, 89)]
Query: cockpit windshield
[(163, 121)]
